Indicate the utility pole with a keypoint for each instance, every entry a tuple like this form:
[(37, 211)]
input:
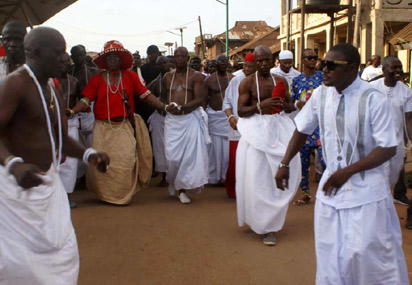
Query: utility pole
[(181, 36), (227, 28), (201, 38), (227, 24)]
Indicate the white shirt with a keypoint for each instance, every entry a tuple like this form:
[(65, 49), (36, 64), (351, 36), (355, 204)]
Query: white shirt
[(371, 72), (230, 102), (288, 76), (367, 125), (238, 72), (4, 68), (400, 97)]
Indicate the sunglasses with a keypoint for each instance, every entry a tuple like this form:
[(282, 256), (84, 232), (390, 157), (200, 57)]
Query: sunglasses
[(311, 57), (333, 64)]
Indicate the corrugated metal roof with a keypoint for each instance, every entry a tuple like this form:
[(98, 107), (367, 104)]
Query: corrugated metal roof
[(36, 11), (269, 39), (404, 36)]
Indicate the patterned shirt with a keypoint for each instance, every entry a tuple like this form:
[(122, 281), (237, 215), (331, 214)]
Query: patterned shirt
[(302, 88)]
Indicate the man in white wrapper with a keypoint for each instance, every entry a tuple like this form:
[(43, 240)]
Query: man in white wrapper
[(216, 85), (285, 68), (37, 240), (357, 233), (265, 131), (230, 107), (156, 122), (186, 129)]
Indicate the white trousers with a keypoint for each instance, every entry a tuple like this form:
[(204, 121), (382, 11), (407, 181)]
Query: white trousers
[(359, 246)]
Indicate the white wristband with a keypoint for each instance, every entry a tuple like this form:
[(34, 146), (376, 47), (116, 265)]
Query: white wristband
[(87, 154), (296, 105), (230, 117), (11, 162)]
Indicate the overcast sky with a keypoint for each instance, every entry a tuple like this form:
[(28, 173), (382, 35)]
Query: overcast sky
[(140, 23)]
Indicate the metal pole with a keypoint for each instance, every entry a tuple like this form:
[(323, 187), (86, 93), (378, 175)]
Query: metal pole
[(201, 38), (227, 28), (349, 35), (181, 36), (302, 34)]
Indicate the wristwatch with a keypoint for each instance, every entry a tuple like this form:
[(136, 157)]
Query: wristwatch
[(283, 165)]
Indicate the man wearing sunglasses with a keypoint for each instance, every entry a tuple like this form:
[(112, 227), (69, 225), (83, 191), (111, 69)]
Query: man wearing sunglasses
[(302, 88), (357, 232), (285, 69)]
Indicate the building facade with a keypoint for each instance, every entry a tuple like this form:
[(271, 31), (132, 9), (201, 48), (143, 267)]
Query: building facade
[(379, 21)]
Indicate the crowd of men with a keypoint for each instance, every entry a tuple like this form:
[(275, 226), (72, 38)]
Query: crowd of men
[(253, 130)]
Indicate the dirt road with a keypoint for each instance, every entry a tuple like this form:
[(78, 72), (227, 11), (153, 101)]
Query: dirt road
[(157, 240)]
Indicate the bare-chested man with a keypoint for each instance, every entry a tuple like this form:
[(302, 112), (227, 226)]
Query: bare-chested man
[(37, 240), (216, 85), (156, 122), (186, 133), (83, 72), (12, 38), (263, 142), (69, 86)]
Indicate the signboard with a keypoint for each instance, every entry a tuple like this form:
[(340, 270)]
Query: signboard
[(397, 4)]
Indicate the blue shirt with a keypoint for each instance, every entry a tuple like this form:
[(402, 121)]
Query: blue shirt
[(301, 85)]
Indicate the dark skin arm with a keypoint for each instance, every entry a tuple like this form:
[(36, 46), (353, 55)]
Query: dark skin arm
[(200, 94), (296, 142), (245, 106), (375, 158)]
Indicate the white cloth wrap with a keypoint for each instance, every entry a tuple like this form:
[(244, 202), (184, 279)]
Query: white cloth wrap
[(394, 166), (68, 170), (219, 147), (360, 245), (157, 129), (263, 143), (37, 240), (186, 142)]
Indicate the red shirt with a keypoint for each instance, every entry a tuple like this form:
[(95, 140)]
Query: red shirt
[(96, 90)]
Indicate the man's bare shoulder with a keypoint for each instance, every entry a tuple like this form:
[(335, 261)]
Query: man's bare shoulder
[(196, 75), (248, 81), (15, 83)]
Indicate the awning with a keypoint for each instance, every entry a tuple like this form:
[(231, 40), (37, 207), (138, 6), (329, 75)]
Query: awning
[(30, 12), (403, 38)]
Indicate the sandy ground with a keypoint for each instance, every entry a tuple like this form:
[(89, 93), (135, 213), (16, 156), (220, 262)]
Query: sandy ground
[(157, 240)]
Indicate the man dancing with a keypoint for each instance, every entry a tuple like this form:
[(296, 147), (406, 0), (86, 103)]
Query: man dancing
[(263, 142), (37, 240), (357, 233), (216, 85), (186, 132)]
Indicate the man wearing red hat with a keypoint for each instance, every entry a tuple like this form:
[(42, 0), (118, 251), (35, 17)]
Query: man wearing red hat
[(216, 85), (116, 128), (230, 107)]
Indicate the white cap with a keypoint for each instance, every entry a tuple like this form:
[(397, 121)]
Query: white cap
[(285, 54)]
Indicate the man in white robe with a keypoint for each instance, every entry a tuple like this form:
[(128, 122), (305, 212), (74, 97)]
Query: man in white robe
[(37, 240), (230, 108), (400, 98), (216, 85), (374, 70), (285, 68), (357, 233), (186, 129), (265, 131)]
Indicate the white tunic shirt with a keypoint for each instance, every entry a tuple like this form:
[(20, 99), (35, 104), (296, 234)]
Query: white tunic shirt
[(230, 102), (371, 72), (400, 97), (288, 76), (363, 124)]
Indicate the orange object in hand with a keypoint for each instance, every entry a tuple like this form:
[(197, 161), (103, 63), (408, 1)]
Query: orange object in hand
[(279, 91)]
